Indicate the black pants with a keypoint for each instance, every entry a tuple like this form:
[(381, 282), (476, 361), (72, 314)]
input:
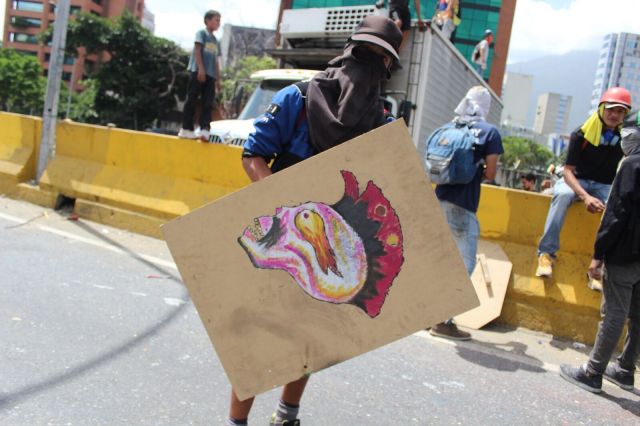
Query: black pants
[(196, 90)]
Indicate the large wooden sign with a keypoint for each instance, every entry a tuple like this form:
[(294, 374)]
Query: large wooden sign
[(328, 259)]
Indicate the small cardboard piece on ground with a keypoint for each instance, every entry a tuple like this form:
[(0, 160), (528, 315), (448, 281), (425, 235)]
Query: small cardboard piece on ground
[(266, 329), (490, 280)]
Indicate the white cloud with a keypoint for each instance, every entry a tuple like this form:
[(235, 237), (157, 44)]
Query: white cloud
[(539, 29)]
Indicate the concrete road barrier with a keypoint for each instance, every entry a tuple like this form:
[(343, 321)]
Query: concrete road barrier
[(159, 176), (562, 305), (138, 181), (19, 139)]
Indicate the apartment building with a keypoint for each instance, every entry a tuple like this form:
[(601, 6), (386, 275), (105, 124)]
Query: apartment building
[(25, 19)]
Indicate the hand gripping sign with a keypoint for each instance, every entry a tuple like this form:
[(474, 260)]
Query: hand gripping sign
[(321, 262)]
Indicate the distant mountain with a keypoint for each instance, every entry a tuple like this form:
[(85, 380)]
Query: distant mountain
[(570, 74)]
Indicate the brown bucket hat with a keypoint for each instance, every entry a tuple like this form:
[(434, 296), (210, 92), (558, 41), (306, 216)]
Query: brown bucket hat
[(379, 30)]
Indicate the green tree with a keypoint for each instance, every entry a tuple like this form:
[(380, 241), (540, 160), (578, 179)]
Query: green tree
[(21, 83), (143, 75), (525, 154), (236, 85), (82, 105)]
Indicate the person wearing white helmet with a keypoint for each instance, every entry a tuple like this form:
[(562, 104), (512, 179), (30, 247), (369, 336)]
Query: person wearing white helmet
[(592, 159), (616, 258)]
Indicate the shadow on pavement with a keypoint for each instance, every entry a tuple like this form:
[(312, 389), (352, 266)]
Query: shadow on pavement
[(510, 356), (627, 404)]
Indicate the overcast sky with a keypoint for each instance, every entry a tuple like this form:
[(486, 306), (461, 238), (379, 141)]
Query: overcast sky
[(541, 27)]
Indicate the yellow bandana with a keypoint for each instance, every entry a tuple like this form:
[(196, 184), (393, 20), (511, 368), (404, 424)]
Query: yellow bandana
[(592, 128)]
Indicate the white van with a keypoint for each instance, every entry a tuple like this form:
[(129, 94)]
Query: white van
[(235, 132)]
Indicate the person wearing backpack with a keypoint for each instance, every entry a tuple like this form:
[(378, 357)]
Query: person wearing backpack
[(592, 160), (616, 258), (338, 104), (459, 193)]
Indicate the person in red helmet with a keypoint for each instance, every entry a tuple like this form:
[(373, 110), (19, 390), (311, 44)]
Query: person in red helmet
[(593, 156)]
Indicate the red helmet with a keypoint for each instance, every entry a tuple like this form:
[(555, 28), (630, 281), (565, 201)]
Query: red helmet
[(617, 95)]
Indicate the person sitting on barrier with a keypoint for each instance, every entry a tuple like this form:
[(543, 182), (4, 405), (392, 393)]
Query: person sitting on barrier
[(307, 118), (616, 258), (593, 156)]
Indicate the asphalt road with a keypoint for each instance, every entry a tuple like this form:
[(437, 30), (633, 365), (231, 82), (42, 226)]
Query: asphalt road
[(97, 329)]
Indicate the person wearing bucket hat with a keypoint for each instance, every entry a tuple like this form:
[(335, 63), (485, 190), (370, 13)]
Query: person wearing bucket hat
[(616, 258), (593, 156), (307, 118)]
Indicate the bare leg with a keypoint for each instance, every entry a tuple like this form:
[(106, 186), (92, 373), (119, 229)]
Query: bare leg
[(292, 392), (239, 410)]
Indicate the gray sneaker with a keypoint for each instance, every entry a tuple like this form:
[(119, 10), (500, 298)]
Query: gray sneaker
[(579, 376), (278, 422), (612, 374)]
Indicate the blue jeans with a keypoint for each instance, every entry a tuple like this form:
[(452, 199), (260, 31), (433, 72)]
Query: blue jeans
[(465, 230), (563, 197)]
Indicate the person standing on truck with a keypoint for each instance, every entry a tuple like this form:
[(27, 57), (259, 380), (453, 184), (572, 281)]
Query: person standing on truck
[(616, 258), (204, 80), (480, 53), (304, 119), (399, 12), (447, 17)]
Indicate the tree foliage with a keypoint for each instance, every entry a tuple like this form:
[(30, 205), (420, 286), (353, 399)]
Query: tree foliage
[(525, 154), (236, 85), (142, 75), (21, 83)]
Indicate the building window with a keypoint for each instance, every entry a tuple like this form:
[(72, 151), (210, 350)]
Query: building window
[(98, 2), (74, 10), (27, 6), (66, 76), (23, 22), (23, 38)]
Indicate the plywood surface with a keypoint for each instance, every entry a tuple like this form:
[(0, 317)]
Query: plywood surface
[(490, 280), (271, 326)]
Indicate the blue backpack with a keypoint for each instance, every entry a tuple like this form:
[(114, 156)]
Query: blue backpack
[(449, 155)]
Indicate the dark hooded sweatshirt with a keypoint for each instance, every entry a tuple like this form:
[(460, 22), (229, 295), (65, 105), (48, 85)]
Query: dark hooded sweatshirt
[(618, 238)]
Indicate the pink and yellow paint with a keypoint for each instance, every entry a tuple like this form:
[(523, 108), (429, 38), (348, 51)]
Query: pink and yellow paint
[(348, 252)]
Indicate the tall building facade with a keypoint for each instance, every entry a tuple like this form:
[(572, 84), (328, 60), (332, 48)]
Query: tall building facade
[(516, 93), (25, 19), (552, 113), (619, 65), (477, 16)]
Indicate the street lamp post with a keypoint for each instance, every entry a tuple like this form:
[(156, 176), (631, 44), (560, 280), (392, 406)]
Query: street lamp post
[(48, 141)]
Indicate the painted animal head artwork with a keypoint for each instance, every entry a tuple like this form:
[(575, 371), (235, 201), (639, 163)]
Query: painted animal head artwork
[(348, 252)]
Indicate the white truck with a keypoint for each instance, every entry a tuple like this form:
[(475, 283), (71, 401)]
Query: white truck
[(235, 132), (433, 79)]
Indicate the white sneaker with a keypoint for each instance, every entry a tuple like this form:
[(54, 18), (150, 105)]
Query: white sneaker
[(187, 134), (204, 135)]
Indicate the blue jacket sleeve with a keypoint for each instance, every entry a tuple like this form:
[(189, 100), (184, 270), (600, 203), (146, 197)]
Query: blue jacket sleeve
[(276, 126)]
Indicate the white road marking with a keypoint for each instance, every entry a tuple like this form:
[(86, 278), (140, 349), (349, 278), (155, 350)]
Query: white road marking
[(103, 287), (171, 301), (137, 293), (90, 241)]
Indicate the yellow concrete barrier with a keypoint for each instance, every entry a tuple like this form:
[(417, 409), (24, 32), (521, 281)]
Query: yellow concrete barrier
[(19, 138), (563, 305), (140, 180), (152, 175)]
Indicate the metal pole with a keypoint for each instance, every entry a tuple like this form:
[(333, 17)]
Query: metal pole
[(49, 116)]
